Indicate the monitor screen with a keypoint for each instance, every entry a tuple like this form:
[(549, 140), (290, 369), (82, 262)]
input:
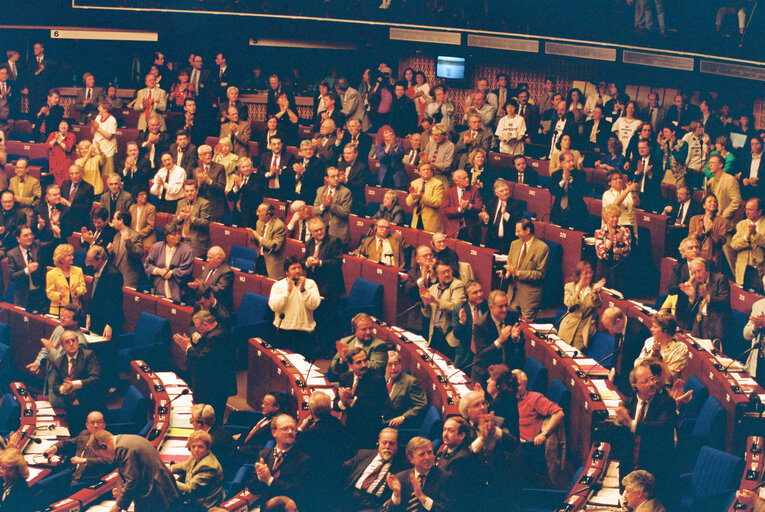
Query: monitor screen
[(450, 68)]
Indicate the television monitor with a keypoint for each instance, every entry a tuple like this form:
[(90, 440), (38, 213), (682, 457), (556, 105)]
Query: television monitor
[(450, 68)]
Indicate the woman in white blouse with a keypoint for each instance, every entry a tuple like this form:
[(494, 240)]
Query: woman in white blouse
[(626, 125), (511, 130), (104, 136)]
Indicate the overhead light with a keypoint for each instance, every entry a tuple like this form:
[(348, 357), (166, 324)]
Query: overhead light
[(296, 43), (103, 35)]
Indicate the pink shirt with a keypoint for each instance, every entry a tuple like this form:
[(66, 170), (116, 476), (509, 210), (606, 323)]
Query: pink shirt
[(532, 411)]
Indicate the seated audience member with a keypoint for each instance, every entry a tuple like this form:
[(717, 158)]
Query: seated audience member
[(564, 145), (639, 487), (426, 195), (293, 300), (211, 182), (664, 347), (26, 272), (613, 244), (192, 217), (492, 443), (11, 217), (390, 154), (99, 232), (201, 483), (77, 195), (183, 153), (679, 214), (645, 172), (473, 138), (87, 466), (362, 398), (65, 283), (460, 208), (444, 253), (385, 247), (270, 237), (145, 480), (498, 338), (435, 489), (277, 504), (613, 160), (308, 174), (710, 231), (752, 171), (70, 319), (127, 250), (464, 319), (454, 456), (646, 433), (623, 195), (357, 138), (333, 205), (364, 477), (143, 216), (725, 188), (273, 404), (703, 306), (538, 416), (521, 173), (525, 270), (365, 337), (222, 444), (114, 199), (408, 402), (13, 477), (689, 251), (357, 178), (169, 265), (26, 189), (582, 299), (748, 247), (167, 184), (217, 276), (208, 301), (567, 186), (136, 171), (75, 381), (501, 215), (105, 307), (754, 332), (438, 303), (325, 142), (245, 194), (502, 388), (284, 469), (390, 210)]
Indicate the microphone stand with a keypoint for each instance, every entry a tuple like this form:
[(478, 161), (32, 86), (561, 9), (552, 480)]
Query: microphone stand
[(756, 346), (587, 375)]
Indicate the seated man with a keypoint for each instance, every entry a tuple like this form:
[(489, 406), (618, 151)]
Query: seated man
[(444, 253), (385, 247), (69, 320), (87, 466), (217, 276), (408, 401), (364, 336), (639, 487), (273, 404)]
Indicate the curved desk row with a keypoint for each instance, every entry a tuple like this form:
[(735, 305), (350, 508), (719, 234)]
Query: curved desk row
[(753, 470)]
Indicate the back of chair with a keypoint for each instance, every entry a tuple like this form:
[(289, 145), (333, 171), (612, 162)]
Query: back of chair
[(365, 295), (5, 334), (254, 309), (710, 425), (151, 330), (715, 471), (10, 412), (698, 398), (560, 394), (133, 408), (431, 424), (245, 253), (601, 344), (537, 374), (243, 264)]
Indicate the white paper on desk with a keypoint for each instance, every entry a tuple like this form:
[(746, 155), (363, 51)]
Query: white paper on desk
[(586, 361), (744, 381), (608, 496), (181, 409), (729, 364), (94, 339), (603, 390), (611, 403), (462, 389), (180, 420), (705, 344), (33, 472), (183, 401), (643, 306), (44, 433), (172, 443), (542, 327), (170, 378), (458, 377), (298, 362), (317, 381), (39, 448), (46, 411), (42, 403)]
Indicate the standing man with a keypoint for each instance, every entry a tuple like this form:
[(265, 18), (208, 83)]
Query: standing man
[(26, 272), (238, 131), (150, 100), (501, 214), (114, 199), (145, 480), (217, 276), (357, 178), (747, 248), (77, 195), (333, 205), (703, 306), (461, 206), (525, 270), (725, 187), (426, 195), (270, 236), (754, 331), (192, 216), (211, 180), (438, 304), (293, 301), (364, 336), (105, 307), (465, 318), (497, 338), (127, 250)]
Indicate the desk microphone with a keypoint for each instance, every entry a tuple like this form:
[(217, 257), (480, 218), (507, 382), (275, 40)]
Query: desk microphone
[(163, 409), (184, 392), (407, 310), (33, 439), (587, 375), (758, 345), (279, 325), (475, 361), (557, 323)]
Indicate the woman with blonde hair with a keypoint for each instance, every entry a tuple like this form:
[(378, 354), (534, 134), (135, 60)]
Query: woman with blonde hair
[(201, 486), (225, 157), (65, 283), (613, 244), (582, 298), (14, 471), (90, 160)]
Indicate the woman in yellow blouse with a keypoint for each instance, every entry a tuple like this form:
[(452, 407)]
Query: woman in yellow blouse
[(90, 160), (65, 283)]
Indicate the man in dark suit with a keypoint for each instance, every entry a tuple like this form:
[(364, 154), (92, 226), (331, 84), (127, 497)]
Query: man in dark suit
[(145, 480), (454, 456), (52, 224), (284, 470), (629, 336), (87, 466), (408, 402), (463, 320), (276, 168), (679, 214), (471, 139), (246, 194), (88, 98), (562, 123), (217, 276), (222, 77), (40, 75), (211, 179), (357, 177), (183, 152), (425, 484), (363, 398), (647, 421), (654, 114), (195, 123), (76, 381), (308, 171), (26, 272), (325, 143), (521, 173), (353, 135), (460, 208), (100, 232), (501, 214), (331, 111), (115, 199), (365, 475), (192, 216), (11, 217), (498, 339), (753, 171), (249, 444), (152, 143), (596, 132), (567, 186), (645, 170), (105, 305), (203, 85), (127, 249), (703, 306), (9, 99), (529, 113)]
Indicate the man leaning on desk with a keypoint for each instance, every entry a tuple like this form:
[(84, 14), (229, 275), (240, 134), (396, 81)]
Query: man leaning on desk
[(87, 465)]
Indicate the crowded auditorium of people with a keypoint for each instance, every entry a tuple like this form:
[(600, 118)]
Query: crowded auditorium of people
[(412, 256)]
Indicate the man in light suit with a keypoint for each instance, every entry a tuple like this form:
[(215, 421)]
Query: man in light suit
[(149, 100), (754, 331), (438, 303), (748, 247), (127, 250), (192, 216), (211, 178), (460, 209), (436, 486), (725, 187), (353, 105), (639, 487), (364, 336), (145, 480), (333, 205), (115, 199), (26, 189), (525, 270), (385, 247), (217, 276), (88, 99), (426, 195), (238, 131), (269, 235), (408, 402), (473, 138), (464, 318), (703, 306)]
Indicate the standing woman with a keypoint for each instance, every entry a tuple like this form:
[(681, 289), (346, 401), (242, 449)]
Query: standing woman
[(612, 246), (61, 152), (144, 215), (421, 93), (287, 120), (227, 159), (104, 128), (511, 130), (574, 104), (481, 177), (390, 154), (582, 298), (663, 346), (627, 124), (65, 283), (710, 230), (90, 160)]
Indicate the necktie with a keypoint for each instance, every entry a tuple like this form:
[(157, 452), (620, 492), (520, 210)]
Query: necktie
[(442, 456), (638, 437), (681, 214), (72, 362), (316, 251), (2, 89), (30, 259), (522, 256), (274, 163), (148, 109), (278, 458), (302, 231), (499, 220), (257, 427), (473, 345), (523, 110), (379, 249), (371, 477), (414, 504), (87, 452), (389, 385), (209, 275), (87, 94), (520, 178), (95, 284), (72, 192)]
